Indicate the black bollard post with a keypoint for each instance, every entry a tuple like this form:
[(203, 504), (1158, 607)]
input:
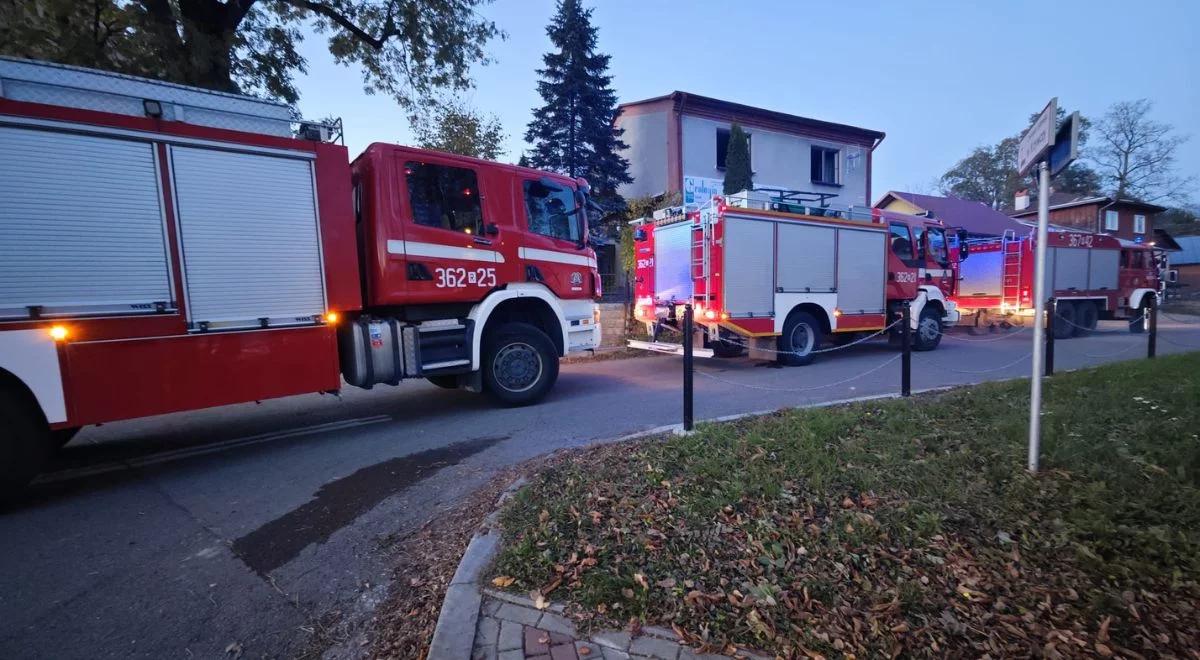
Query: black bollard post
[(1053, 311), (1152, 343), (906, 359), (687, 368)]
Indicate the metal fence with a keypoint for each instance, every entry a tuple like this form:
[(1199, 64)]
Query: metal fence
[(617, 287)]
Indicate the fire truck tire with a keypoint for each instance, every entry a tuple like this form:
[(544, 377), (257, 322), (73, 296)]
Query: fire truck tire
[(929, 330), (1087, 317), (61, 437), (444, 382), (1065, 320), (520, 364), (801, 335), (1139, 322), (26, 444)]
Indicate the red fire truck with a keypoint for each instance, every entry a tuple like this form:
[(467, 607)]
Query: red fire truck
[(778, 271), (1092, 276), (166, 248)]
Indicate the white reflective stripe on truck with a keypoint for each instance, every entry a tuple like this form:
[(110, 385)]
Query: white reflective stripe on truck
[(439, 251)]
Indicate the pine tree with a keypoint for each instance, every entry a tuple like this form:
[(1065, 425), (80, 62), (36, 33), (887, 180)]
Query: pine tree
[(738, 176), (573, 131)]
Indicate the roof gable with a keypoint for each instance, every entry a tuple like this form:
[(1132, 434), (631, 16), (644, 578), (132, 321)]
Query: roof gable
[(975, 217)]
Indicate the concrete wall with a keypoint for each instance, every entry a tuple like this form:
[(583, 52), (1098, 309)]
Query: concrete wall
[(779, 160), (646, 136)]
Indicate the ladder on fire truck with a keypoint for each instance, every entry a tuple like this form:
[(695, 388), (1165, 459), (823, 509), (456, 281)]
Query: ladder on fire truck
[(702, 234), (1010, 251)]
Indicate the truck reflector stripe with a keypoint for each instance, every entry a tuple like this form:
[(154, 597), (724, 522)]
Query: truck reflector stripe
[(535, 254), (438, 251)]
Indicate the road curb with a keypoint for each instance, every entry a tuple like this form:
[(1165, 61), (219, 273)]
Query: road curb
[(454, 634)]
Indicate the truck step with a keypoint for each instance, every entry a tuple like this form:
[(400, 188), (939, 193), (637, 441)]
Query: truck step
[(668, 348)]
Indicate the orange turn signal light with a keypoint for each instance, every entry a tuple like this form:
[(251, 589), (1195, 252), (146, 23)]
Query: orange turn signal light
[(332, 317), (58, 332)]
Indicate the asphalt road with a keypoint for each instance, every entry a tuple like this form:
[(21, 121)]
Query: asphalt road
[(246, 528)]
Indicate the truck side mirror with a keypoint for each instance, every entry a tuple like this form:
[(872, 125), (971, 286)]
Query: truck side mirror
[(963, 251)]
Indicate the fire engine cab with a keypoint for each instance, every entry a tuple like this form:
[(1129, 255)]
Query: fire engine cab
[(1092, 277), (777, 272), (166, 248)]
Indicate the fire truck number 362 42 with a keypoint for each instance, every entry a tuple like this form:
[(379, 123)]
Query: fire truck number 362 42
[(450, 278)]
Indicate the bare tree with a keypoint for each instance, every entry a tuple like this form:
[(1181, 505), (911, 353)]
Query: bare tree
[(1136, 155)]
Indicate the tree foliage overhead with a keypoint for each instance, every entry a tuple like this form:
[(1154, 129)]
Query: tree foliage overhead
[(738, 175), (989, 173), (406, 48), (456, 127), (1136, 154), (573, 131)]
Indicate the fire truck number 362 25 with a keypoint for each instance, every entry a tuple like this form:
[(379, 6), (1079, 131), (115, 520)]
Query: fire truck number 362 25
[(449, 278)]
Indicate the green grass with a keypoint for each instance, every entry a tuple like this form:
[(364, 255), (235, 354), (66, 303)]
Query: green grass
[(899, 526)]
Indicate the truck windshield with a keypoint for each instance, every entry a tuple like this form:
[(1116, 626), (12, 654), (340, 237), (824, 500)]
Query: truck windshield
[(552, 211)]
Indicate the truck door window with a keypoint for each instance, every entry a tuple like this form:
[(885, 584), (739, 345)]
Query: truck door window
[(937, 244), (552, 211), (902, 245), (443, 196)]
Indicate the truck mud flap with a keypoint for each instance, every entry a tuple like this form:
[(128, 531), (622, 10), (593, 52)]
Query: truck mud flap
[(669, 348)]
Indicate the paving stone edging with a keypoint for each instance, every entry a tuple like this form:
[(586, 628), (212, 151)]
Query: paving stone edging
[(512, 628)]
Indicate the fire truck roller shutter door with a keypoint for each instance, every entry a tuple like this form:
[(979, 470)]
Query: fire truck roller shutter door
[(749, 275), (82, 225), (248, 227), (861, 271), (1048, 276), (1070, 269), (672, 262), (805, 258), (1103, 269)]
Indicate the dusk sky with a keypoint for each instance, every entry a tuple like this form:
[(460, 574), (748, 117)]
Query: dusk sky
[(938, 77)]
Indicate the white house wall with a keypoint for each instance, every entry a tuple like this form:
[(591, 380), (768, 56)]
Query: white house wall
[(779, 160), (646, 135)]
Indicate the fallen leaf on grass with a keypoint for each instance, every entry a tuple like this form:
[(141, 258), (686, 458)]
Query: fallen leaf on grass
[(503, 581), (641, 579), (539, 600)]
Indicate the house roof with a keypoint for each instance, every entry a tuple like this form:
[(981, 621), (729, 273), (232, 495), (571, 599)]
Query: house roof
[(1060, 200), (1189, 253), (975, 217), (689, 103)]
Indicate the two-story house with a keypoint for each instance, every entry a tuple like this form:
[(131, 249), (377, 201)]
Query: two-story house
[(1124, 218), (678, 143)]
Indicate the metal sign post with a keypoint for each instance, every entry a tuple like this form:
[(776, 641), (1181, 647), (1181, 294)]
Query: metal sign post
[(1034, 145)]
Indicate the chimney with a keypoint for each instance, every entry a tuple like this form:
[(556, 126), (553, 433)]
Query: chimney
[(1022, 200)]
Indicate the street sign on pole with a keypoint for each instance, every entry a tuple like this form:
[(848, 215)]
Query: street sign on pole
[(1066, 145), (1038, 138)]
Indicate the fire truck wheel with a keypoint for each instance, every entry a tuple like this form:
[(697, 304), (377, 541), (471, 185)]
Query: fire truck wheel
[(61, 437), (519, 364), (444, 382), (801, 334), (1141, 317), (1087, 316), (929, 330), (25, 446), (1065, 320)]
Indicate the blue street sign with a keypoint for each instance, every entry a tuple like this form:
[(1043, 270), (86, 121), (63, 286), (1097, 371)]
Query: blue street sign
[(1066, 145)]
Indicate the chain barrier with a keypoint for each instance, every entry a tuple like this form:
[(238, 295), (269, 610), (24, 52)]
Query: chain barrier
[(1176, 343), (1137, 319), (868, 372), (815, 351), (988, 371), (1194, 321), (1006, 335)]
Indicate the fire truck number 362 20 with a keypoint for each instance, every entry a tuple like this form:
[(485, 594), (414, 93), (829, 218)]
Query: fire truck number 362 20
[(449, 278)]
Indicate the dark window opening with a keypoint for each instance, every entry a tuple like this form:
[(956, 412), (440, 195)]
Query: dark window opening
[(825, 166), (552, 211), (723, 147), (444, 197)]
